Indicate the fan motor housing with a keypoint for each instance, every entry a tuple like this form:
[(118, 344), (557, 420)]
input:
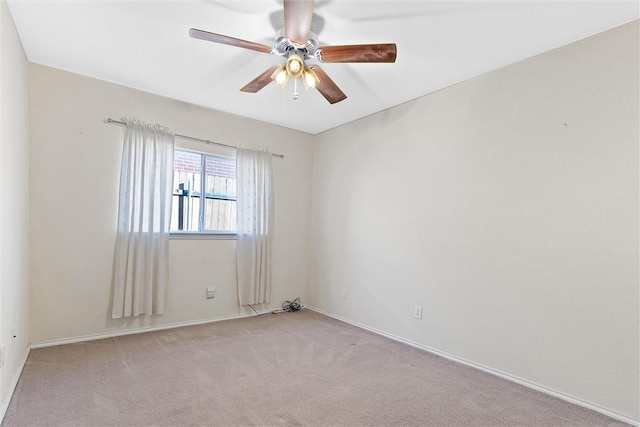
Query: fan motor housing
[(284, 47)]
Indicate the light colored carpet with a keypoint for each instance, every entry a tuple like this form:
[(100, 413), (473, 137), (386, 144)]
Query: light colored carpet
[(298, 368)]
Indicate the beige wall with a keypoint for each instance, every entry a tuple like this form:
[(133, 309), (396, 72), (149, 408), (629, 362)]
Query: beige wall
[(75, 162), (14, 208), (507, 206)]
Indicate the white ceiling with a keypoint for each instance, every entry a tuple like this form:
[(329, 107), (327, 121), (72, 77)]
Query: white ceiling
[(145, 45)]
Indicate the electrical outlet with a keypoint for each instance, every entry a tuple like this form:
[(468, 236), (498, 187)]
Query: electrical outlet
[(211, 293), (417, 312), (344, 293)]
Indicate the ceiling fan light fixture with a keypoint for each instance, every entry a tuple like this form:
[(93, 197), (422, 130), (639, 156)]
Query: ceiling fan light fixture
[(280, 76), (297, 43), (310, 78), (295, 66)]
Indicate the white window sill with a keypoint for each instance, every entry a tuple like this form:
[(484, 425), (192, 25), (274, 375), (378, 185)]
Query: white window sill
[(202, 235)]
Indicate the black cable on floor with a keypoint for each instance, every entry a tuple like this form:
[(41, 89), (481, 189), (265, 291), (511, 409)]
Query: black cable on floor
[(294, 305)]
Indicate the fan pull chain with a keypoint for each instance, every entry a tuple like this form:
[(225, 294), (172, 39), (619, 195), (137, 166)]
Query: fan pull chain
[(295, 89)]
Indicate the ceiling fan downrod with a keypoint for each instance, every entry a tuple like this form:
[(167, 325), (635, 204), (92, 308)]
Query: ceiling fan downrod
[(297, 43)]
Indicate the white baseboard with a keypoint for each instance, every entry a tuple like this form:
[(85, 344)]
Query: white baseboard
[(521, 381), (14, 383), (142, 330), (51, 343), (512, 378)]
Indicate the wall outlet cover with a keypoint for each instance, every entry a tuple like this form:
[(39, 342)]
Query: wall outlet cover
[(417, 312)]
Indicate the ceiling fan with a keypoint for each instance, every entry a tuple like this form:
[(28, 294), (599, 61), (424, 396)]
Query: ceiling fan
[(297, 45)]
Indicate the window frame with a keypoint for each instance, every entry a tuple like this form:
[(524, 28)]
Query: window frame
[(202, 234)]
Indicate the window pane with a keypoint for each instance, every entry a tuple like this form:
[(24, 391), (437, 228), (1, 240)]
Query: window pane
[(220, 215), (186, 191), (220, 191), (190, 213)]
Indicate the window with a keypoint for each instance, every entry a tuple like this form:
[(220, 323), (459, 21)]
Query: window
[(211, 210)]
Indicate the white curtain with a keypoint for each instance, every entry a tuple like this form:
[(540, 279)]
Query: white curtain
[(255, 225), (141, 256)]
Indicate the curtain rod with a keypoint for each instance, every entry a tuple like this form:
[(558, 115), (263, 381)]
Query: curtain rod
[(205, 141)]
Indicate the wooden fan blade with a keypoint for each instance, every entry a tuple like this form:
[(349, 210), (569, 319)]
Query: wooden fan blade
[(297, 20), (358, 53), (327, 87), (259, 82), (231, 41)]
